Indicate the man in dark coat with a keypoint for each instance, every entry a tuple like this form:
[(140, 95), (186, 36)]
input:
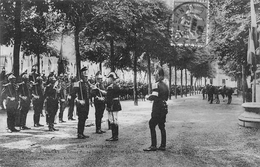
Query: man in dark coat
[(113, 104), (51, 96), (159, 110), (37, 100), (25, 100), (12, 101), (229, 92), (71, 98), (82, 90), (99, 102)]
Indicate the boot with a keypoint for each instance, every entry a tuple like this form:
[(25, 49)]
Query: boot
[(113, 129), (109, 125), (116, 132)]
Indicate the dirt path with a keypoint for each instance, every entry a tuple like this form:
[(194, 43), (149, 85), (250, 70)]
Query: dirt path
[(198, 134)]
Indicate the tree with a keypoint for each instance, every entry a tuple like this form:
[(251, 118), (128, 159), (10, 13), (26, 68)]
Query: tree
[(76, 14)]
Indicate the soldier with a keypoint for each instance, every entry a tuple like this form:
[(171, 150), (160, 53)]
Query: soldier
[(3, 81), (159, 110), (62, 96), (82, 90), (229, 92), (25, 100), (37, 100), (113, 105), (71, 98), (51, 97), (99, 102), (12, 101)]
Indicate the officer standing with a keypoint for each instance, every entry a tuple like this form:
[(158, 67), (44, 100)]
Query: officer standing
[(37, 100), (62, 97), (71, 98), (12, 101), (113, 104), (25, 100), (51, 96), (82, 90), (99, 102), (3, 81), (159, 110)]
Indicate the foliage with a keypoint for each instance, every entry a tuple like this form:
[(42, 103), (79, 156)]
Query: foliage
[(230, 21)]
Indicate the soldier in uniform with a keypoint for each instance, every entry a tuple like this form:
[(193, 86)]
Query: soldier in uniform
[(229, 92), (63, 96), (25, 100), (51, 97), (113, 104), (99, 102), (12, 101), (71, 98), (159, 110), (82, 91), (3, 81), (37, 100)]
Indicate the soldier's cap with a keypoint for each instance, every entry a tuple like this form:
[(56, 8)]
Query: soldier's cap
[(112, 75), (11, 76), (38, 78), (84, 71), (161, 72), (98, 75), (52, 78), (24, 73), (33, 68)]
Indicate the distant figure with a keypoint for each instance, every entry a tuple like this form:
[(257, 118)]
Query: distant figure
[(229, 93)]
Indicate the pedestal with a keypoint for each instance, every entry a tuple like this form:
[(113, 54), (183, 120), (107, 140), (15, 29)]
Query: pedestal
[(251, 116)]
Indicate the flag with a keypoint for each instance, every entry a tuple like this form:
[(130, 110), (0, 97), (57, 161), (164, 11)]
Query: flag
[(252, 38), (5, 61), (253, 15), (49, 65), (251, 48)]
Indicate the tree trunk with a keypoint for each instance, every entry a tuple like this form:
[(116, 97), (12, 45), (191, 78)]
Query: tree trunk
[(149, 74), (185, 82), (135, 79), (181, 82), (38, 63), (17, 38), (78, 58), (190, 84), (170, 80), (244, 84), (175, 76), (112, 55), (100, 67)]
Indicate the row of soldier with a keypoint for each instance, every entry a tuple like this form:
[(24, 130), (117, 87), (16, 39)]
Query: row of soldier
[(213, 92), (55, 94)]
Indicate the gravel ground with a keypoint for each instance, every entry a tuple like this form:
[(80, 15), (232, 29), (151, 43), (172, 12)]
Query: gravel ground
[(198, 134)]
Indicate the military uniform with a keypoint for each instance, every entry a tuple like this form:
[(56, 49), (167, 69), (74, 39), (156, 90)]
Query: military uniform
[(71, 99), (159, 112), (25, 100), (37, 100), (62, 99), (12, 101), (51, 96), (229, 92), (99, 103), (82, 90), (113, 106)]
